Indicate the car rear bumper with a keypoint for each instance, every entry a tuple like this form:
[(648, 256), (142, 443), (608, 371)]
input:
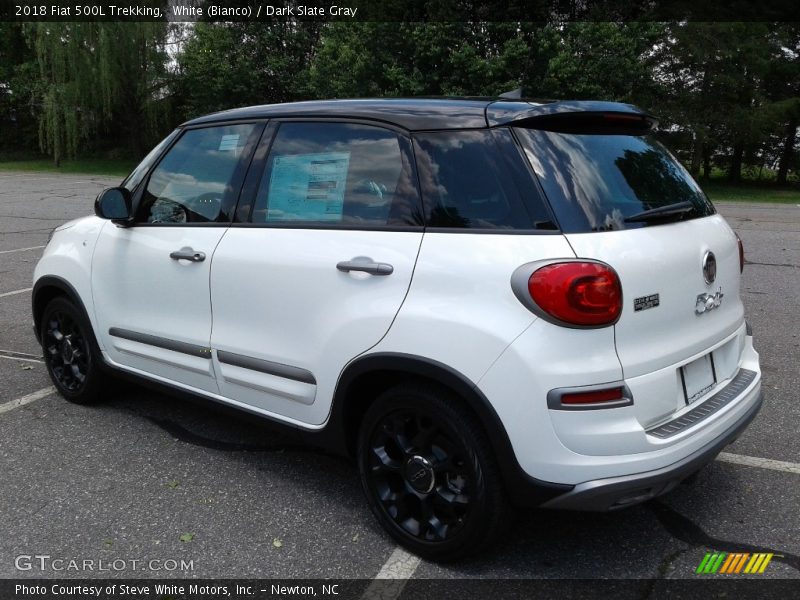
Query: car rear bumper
[(619, 492)]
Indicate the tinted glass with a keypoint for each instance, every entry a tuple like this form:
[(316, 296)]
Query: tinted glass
[(196, 182), (594, 182), (337, 175), (468, 182), (136, 176)]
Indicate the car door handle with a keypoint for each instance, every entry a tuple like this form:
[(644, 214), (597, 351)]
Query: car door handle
[(186, 253), (365, 265)]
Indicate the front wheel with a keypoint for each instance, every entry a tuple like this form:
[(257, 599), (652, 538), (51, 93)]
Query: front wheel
[(429, 473), (68, 346)]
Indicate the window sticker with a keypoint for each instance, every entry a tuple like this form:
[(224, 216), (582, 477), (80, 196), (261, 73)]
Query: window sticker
[(308, 187), (229, 142)]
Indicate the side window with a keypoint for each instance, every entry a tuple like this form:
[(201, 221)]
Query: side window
[(198, 180), (136, 176), (337, 175), (468, 181)]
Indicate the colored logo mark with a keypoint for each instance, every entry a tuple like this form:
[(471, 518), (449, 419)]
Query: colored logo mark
[(734, 562)]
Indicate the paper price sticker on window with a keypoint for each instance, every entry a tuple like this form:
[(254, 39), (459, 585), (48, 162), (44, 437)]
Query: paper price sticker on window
[(308, 187), (229, 142)]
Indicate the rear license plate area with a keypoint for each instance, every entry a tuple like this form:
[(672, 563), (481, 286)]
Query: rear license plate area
[(698, 377)]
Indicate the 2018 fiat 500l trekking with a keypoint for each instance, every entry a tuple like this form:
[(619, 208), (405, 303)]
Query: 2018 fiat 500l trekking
[(487, 303)]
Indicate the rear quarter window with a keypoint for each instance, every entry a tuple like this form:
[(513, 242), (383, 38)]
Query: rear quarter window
[(595, 181), (477, 179)]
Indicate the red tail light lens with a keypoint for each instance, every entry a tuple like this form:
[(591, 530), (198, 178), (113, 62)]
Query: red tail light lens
[(593, 397), (741, 253), (585, 294)]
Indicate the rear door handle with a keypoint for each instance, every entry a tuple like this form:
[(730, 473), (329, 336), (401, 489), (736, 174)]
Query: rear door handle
[(365, 264), (186, 253)]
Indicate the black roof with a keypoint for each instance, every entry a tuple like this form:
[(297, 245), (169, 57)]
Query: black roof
[(418, 114)]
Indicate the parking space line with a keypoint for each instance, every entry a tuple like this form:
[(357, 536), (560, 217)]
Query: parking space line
[(38, 395), (398, 570), (21, 249), (15, 292), (20, 354), (763, 463), (36, 360)]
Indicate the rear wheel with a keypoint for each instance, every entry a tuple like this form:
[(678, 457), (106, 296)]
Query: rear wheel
[(68, 345), (429, 473)]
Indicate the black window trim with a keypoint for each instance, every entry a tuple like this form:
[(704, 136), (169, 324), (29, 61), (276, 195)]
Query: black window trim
[(260, 153), (252, 182), (246, 158)]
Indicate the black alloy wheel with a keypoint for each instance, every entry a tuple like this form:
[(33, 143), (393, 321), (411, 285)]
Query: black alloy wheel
[(420, 476), (429, 473), (68, 348), (66, 351)]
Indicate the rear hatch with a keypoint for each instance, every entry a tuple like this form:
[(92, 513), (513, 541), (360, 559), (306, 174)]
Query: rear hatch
[(622, 198)]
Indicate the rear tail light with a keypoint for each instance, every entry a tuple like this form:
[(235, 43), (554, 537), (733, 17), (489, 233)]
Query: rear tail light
[(577, 293), (741, 253)]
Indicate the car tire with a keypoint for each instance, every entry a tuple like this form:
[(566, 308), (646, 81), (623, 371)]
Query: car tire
[(70, 353), (430, 475)]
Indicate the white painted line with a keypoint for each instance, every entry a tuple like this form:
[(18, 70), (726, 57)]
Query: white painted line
[(36, 360), (21, 249), (15, 292), (393, 576), (43, 393), (763, 463), (401, 565), (23, 354)]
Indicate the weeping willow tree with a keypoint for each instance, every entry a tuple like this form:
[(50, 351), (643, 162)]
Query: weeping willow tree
[(100, 80)]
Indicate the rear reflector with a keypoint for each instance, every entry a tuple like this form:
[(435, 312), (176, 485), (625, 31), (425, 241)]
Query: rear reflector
[(593, 397), (613, 394)]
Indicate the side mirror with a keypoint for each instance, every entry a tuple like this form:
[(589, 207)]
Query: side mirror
[(114, 204)]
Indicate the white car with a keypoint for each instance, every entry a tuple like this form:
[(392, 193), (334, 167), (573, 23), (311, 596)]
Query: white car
[(487, 303)]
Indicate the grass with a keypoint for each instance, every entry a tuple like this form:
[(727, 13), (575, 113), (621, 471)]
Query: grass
[(84, 166), (720, 191)]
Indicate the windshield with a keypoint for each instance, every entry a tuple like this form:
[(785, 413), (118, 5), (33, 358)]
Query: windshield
[(136, 176), (594, 182)]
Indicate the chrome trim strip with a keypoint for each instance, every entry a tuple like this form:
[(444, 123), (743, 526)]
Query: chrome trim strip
[(159, 342), (708, 407), (266, 366)]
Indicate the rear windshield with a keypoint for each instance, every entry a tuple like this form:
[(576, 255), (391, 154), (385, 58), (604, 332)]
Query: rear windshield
[(594, 182)]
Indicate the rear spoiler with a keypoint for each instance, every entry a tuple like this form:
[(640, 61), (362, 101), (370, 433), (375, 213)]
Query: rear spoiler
[(572, 117)]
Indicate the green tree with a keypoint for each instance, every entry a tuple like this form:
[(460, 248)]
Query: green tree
[(224, 65), (782, 89), (100, 78), (711, 80), (601, 60), (434, 58), (19, 90)]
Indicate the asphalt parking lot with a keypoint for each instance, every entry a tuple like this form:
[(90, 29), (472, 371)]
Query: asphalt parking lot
[(144, 476)]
